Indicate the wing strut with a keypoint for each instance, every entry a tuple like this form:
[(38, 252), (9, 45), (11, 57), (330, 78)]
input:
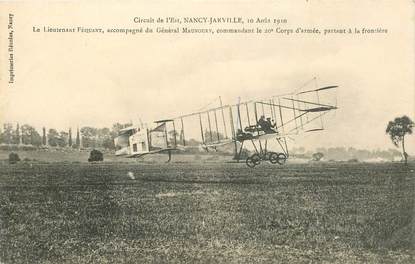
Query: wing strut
[(301, 117), (216, 125), (321, 117), (256, 113), (210, 128), (282, 121), (247, 114), (275, 113), (184, 141), (239, 113), (295, 118), (223, 117), (271, 110), (233, 131), (174, 134), (201, 128)]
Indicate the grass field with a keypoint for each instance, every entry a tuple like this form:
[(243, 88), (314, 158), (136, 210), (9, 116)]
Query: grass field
[(206, 212)]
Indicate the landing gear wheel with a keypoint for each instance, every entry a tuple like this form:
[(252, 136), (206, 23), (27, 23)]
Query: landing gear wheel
[(256, 159), (253, 161), (273, 157), (249, 162), (282, 158)]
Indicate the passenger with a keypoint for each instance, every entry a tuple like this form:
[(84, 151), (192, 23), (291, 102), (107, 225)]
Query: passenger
[(262, 123), (268, 129), (270, 123)]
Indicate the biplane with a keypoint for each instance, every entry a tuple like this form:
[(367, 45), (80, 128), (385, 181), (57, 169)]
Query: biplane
[(254, 122)]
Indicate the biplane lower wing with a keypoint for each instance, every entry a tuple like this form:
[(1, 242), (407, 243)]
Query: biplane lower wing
[(138, 155), (219, 143), (272, 136)]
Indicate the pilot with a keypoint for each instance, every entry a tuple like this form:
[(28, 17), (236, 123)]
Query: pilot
[(266, 125)]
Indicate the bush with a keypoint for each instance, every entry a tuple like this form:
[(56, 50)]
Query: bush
[(317, 156), (13, 158), (95, 155)]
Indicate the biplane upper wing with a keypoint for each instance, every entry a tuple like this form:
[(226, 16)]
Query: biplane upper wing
[(220, 125)]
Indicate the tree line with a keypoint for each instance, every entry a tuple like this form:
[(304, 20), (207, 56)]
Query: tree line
[(91, 137), (343, 153), (84, 137)]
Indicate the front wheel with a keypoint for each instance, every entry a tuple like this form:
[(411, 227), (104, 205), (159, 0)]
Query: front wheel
[(282, 158), (273, 157)]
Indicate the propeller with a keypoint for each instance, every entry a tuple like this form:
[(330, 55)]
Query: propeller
[(320, 89), (315, 129), (327, 87)]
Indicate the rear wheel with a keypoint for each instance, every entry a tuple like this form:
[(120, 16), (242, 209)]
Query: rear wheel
[(256, 159), (253, 160), (249, 162)]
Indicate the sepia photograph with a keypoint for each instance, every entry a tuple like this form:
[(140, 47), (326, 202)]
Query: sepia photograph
[(272, 131)]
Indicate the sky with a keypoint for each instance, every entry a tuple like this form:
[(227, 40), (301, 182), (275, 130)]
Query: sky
[(67, 80)]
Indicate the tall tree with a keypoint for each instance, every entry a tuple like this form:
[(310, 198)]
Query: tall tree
[(30, 135), (397, 129), (16, 136), (77, 139), (108, 143), (35, 138), (44, 142), (105, 140), (89, 137), (7, 135), (70, 137), (63, 139), (53, 137), (26, 134)]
